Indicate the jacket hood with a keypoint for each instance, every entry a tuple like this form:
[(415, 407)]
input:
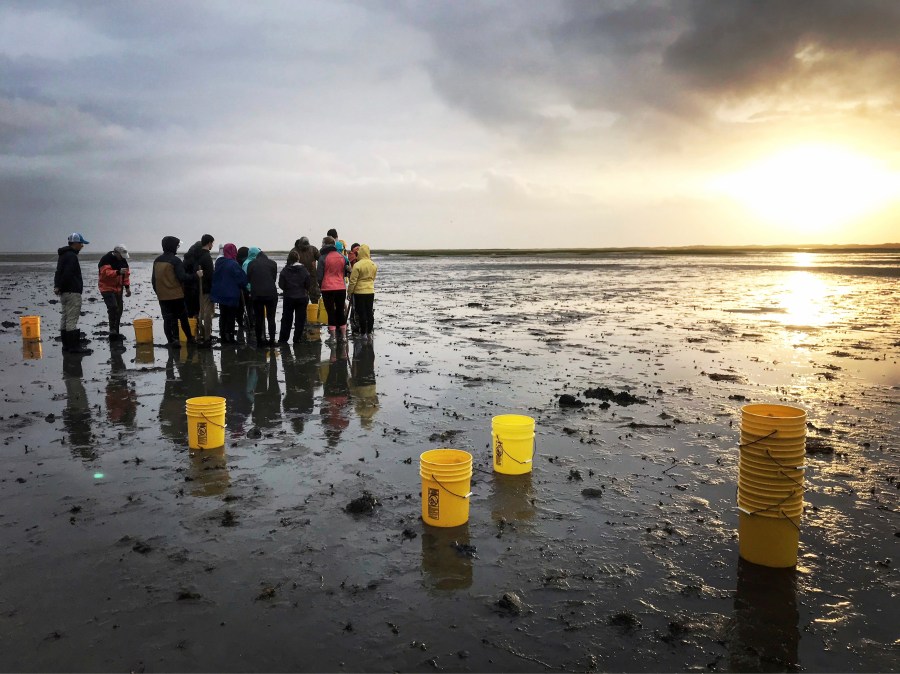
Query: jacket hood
[(252, 253), (363, 253), (230, 251), (330, 248), (66, 249), (170, 244)]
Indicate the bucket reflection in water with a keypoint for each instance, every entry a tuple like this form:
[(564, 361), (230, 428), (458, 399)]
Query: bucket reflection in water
[(144, 354), (765, 637), (445, 563), (32, 350), (512, 498), (209, 470)]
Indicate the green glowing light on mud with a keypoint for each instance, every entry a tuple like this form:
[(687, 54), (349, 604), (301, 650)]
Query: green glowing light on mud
[(99, 476)]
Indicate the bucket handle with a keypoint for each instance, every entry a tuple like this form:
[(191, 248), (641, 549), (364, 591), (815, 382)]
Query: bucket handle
[(760, 439), (210, 420), (526, 461), (448, 491), (777, 462), (751, 513)]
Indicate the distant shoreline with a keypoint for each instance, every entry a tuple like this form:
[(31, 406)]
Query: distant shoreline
[(557, 252)]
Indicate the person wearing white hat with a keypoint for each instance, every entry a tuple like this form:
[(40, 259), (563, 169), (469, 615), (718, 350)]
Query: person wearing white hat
[(68, 285), (114, 279)]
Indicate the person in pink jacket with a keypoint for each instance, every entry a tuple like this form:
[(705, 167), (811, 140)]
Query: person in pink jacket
[(331, 271)]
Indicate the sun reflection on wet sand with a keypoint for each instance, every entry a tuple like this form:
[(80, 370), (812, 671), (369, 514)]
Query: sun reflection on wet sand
[(806, 300)]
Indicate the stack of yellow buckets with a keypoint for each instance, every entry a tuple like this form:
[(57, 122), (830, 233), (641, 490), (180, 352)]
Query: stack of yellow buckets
[(770, 483), (447, 473)]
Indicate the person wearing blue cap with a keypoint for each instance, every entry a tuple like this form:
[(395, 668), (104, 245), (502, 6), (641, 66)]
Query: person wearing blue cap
[(68, 285)]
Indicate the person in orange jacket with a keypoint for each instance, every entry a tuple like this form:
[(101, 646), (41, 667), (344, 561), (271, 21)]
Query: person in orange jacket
[(115, 278)]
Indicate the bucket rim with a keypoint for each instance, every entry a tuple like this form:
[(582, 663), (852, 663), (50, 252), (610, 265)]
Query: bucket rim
[(460, 452), (773, 411), (512, 420)]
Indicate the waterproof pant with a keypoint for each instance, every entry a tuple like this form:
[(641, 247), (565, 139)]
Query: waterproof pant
[(114, 307), (70, 310), (364, 307), (228, 317), (264, 309), (293, 313), (174, 311), (334, 306), (205, 317)]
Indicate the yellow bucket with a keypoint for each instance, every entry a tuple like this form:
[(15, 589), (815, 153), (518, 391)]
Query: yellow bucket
[(31, 327), (321, 314), (512, 439), (32, 350), (144, 354), (775, 415), (769, 541), (206, 422), (780, 454), (446, 478), (143, 330), (192, 322), (312, 313), (777, 483)]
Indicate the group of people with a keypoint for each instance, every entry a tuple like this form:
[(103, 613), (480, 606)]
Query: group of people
[(243, 282)]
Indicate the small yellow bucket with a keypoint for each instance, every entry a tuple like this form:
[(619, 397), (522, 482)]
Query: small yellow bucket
[(31, 327), (192, 323), (312, 313), (143, 330), (206, 422), (512, 439), (32, 350), (321, 314), (769, 541), (446, 478)]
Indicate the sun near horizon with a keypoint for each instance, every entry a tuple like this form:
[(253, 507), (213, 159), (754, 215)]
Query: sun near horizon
[(812, 190)]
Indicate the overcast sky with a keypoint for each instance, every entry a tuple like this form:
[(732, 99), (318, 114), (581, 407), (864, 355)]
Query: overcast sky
[(450, 124)]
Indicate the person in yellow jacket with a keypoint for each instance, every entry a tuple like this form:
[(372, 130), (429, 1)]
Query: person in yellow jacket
[(362, 291)]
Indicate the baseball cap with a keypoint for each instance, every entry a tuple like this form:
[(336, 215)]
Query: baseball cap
[(123, 251), (75, 237)]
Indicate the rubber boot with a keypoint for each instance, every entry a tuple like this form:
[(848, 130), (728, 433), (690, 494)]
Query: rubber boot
[(64, 338), (331, 334), (74, 339), (343, 336)]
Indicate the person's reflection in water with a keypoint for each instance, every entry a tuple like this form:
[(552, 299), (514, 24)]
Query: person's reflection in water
[(362, 385), (189, 375), (301, 377), (121, 398), (267, 392), (77, 413), (335, 395), (235, 369), (765, 636), (447, 558)]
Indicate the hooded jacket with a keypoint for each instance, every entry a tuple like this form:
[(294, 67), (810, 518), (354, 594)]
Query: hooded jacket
[(227, 281), (362, 278), (261, 274), (68, 271), (110, 280), (168, 272), (309, 254), (332, 269), (198, 257), (294, 281)]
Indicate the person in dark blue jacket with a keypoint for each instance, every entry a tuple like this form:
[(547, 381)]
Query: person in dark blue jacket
[(227, 282)]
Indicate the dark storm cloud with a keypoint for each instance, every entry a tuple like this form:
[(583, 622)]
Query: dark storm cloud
[(505, 63)]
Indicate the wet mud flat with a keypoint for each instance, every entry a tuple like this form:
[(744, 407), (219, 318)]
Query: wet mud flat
[(301, 547)]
